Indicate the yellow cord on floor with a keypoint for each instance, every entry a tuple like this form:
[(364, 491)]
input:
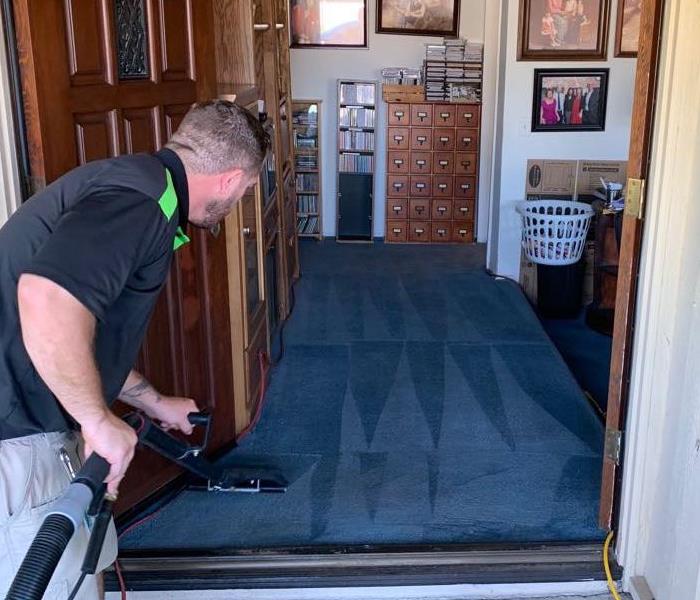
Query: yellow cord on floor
[(606, 564)]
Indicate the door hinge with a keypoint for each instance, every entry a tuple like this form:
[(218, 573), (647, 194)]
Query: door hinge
[(613, 445), (634, 197)]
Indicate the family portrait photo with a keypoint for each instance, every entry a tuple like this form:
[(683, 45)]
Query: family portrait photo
[(418, 17), (569, 100), (563, 29), (628, 17), (332, 23)]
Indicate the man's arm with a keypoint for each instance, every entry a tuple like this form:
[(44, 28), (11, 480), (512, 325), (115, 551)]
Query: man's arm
[(170, 411), (58, 333)]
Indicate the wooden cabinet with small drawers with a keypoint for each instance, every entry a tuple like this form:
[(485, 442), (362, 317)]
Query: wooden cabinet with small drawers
[(432, 172)]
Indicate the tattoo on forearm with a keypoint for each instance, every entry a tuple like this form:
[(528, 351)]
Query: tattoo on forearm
[(140, 392)]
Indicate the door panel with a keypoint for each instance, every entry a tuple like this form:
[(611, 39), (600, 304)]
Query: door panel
[(176, 40), (87, 42), (141, 129), (96, 135)]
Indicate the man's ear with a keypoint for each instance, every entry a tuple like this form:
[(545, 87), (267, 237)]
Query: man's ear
[(230, 180)]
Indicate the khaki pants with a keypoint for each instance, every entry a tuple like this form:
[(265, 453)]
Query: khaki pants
[(32, 477)]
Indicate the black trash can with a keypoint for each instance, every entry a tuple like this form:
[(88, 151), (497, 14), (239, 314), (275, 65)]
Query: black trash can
[(560, 290)]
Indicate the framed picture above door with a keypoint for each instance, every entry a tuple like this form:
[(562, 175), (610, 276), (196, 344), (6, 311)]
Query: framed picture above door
[(627, 29), (563, 29), (418, 17), (328, 23)]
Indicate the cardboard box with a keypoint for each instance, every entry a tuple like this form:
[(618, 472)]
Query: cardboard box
[(551, 178), (590, 172)]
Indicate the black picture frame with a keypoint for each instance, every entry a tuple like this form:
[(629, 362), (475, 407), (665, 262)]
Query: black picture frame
[(295, 38), (384, 26), (586, 119)]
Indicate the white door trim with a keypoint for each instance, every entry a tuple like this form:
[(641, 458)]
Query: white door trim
[(10, 194)]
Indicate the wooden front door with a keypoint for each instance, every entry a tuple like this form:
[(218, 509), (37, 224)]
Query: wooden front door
[(630, 246), (107, 77)]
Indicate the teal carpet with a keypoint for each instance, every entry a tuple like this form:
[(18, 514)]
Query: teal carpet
[(419, 402)]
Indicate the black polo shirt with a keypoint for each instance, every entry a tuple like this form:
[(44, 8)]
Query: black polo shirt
[(105, 232)]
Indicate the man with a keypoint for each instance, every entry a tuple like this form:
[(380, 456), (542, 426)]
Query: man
[(81, 267), (590, 105), (561, 97)]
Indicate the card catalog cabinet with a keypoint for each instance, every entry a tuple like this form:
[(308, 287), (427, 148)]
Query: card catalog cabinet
[(432, 172)]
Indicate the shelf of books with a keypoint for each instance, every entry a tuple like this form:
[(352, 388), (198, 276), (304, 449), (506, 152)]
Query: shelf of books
[(356, 145), (306, 119)]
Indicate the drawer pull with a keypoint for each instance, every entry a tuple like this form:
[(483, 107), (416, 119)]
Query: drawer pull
[(261, 26), (464, 209), (419, 209), (396, 230), (420, 186), (398, 114), (399, 161), (398, 138), (420, 163), (444, 139), (442, 231), (467, 140), (442, 209), (421, 139), (466, 186), (398, 208), (462, 232), (419, 231), (398, 185), (468, 116), (466, 163), (422, 115), (442, 186), (445, 115), (444, 163), (279, 26)]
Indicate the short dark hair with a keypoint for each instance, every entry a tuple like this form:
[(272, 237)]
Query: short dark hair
[(217, 136)]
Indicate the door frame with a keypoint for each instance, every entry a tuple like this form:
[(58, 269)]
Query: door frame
[(10, 187), (638, 167), (650, 375)]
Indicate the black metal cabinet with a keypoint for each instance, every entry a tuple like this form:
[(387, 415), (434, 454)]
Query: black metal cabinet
[(355, 201)]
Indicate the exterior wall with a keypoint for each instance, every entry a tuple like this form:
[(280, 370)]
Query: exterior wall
[(660, 525)]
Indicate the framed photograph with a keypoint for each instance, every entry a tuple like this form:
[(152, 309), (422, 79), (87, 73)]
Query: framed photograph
[(627, 36), (328, 23), (418, 17), (569, 99), (563, 29)]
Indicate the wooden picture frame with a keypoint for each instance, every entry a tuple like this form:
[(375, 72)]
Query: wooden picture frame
[(305, 26), (580, 33), (411, 17), (627, 28), (570, 113)]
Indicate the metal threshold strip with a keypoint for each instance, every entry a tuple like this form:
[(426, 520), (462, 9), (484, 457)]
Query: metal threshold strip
[(361, 566)]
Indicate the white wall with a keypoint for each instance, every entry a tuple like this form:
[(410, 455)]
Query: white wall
[(660, 528), (314, 76), (518, 143)]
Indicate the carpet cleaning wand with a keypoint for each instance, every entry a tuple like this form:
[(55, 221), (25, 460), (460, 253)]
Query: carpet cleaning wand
[(66, 516)]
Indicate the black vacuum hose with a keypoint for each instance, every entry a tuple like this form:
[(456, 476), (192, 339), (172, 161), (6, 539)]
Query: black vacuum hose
[(40, 562)]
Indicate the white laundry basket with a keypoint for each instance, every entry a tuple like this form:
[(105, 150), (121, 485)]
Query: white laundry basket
[(554, 231)]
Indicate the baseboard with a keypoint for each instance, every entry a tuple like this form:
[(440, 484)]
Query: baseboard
[(639, 588)]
